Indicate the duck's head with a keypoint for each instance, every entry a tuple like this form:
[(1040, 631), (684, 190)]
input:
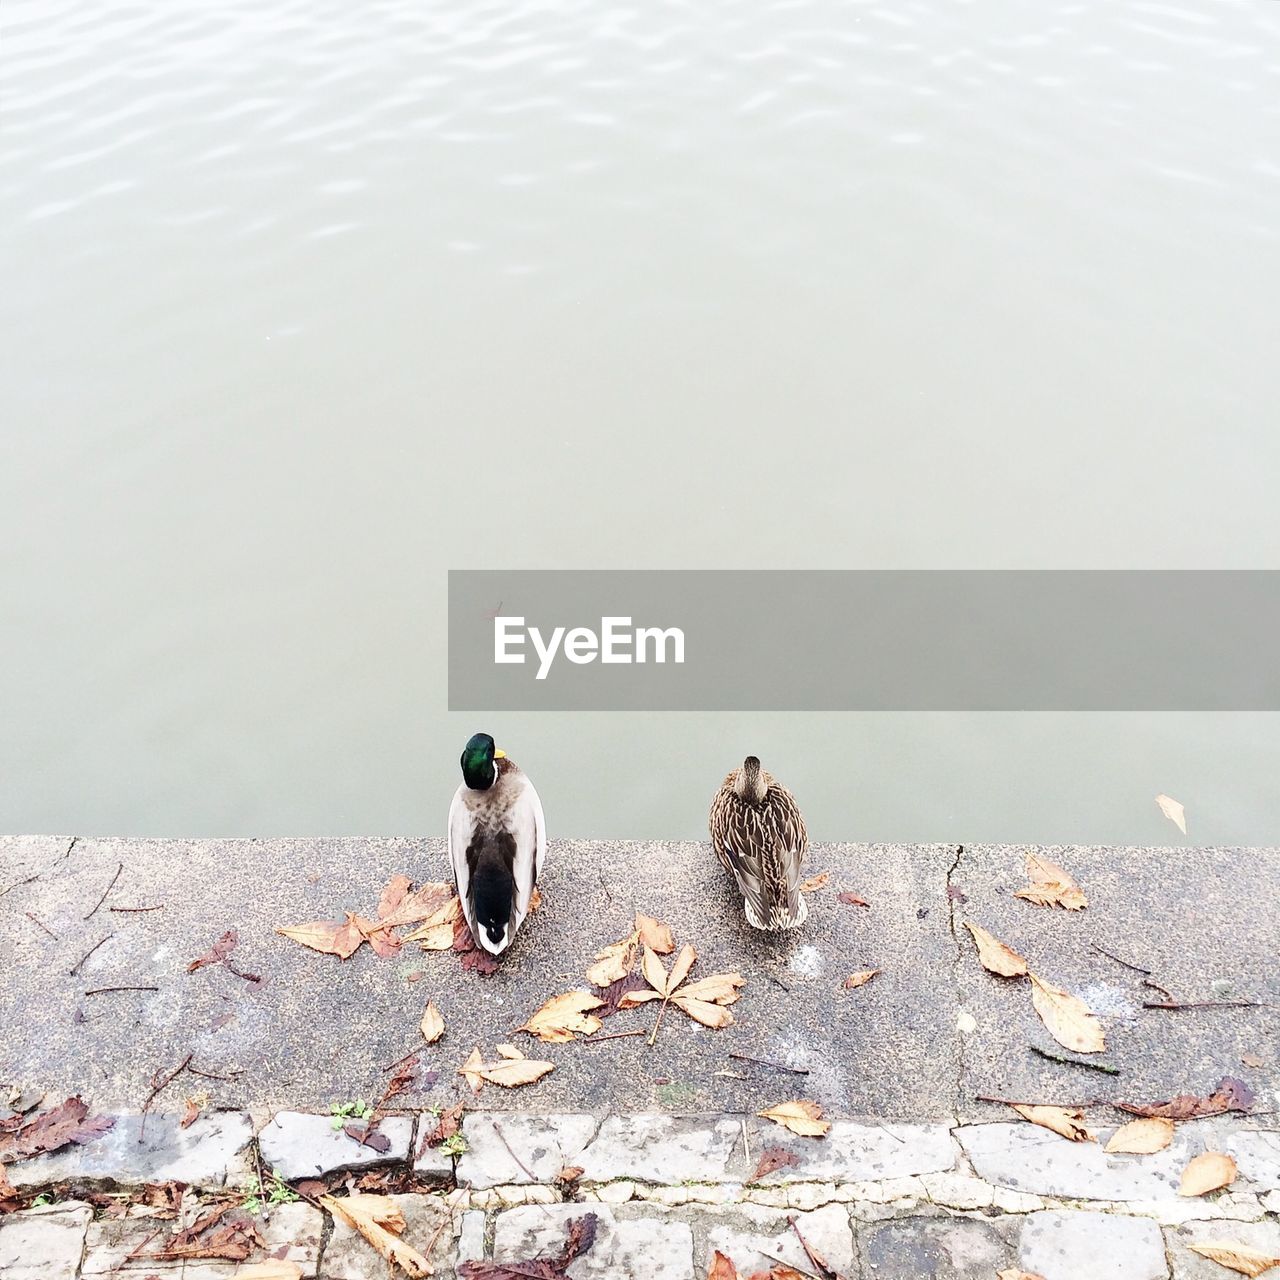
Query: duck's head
[(749, 782), (478, 769)]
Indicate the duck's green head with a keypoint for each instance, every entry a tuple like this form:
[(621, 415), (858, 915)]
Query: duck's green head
[(478, 770)]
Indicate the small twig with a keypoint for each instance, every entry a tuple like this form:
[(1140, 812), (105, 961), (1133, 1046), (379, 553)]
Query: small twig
[(40, 924), (613, 1035), (1022, 1102), (158, 1087), (71, 973), (101, 991), (511, 1152), (778, 982), (213, 1075), (17, 884), (1207, 1004), (777, 1066), (1075, 1062), (125, 911), (262, 1185), (746, 1141), (106, 891), (1147, 979)]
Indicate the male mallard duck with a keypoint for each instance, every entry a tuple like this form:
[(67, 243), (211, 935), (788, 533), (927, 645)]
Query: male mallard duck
[(497, 840), (758, 834)]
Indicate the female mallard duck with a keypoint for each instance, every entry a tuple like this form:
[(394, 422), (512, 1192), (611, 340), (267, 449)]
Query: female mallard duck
[(759, 835), (497, 840)]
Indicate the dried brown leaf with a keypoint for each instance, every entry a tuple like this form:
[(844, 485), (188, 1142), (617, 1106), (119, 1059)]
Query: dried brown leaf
[(814, 883), (710, 1015), (1208, 1172), (570, 1173), (1173, 811), (377, 1225), (1237, 1257), (563, 1017), (474, 959), (327, 936), (1231, 1094), (773, 1159), (1141, 1137), (655, 973), (799, 1115), (654, 934), (393, 894), (614, 962), (1051, 886), (447, 1124), (995, 956), (581, 1236), (859, 979), (851, 899), (433, 903), (510, 1073), (1066, 1121), (721, 1268), (718, 988), (218, 953), (1067, 1017), (432, 1025), (33, 1134)]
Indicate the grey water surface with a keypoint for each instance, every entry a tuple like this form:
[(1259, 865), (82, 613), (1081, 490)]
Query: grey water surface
[(306, 303)]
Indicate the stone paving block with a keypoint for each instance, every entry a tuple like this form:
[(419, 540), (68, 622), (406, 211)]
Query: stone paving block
[(1072, 1245), (632, 1243), (1263, 1236), (958, 1190), (430, 1160), (43, 1244), (940, 1248), (471, 1237), (348, 1256), (292, 1234), (748, 1233), (1257, 1154), (657, 1148), (299, 1145), (508, 1149), (1028, 1158), (209, 1153), (854, 1152)]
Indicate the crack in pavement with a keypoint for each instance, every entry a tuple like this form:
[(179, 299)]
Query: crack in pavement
[(961, 1064)]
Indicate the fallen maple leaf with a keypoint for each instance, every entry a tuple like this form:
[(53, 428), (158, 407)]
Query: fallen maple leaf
[(1230, 1095), (514, 1069), (814, 883), (771, 1160), (703, 1000), (218, 953), (1208, 1172), (564, 1016), (801, 1116), (393, 895), (432, 1025), (380, 1221), (581, 1236), (994, 955), (326, 936), (721, 1268), (474, 959), (1067, 1017), (68, 1122), (1051, 886), (1237, 1257), (1141, 1137), (1173, 811), (860, 979), (654, 934), (851, 899), (1066, 1121)]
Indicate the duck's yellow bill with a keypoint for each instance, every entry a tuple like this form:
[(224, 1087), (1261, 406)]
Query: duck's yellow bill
[(499, 755)]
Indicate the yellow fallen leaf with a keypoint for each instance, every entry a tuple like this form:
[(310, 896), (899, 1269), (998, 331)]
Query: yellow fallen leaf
[(800, 1116), (860, 979), (432, 1023), (435, 933), (654, 934), (719, 988), (1238, 1257), (1208, 1172), (327, 936), (1051, 886), (655, 973), (562, 1017), (509, 1051), (510, 1072), (613, 962), (270, 1271), (1141, 1137), (1068, 1018), (357, 1212), (814, 883), (703, 1011), (1066, 1121), (1173, 811), (995, 956)]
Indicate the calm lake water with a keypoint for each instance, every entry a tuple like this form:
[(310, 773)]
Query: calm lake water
[(306, 303)]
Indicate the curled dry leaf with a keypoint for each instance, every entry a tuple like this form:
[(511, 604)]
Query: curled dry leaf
[(393, 894), (570, 1173), (563, 1017), (860, 979), (994, 955), (1173, 811), (721, 1268), (613, 963), (654, 934), (814, 883), (218, 953), (380, 1221), (1051, 886), (1067, 1121), (1067, 1017), (1141, 1137), (800, 1116), (432, 903), (192, 1107), (851, 899), (773, 1159), (1230, 1095), (510, 1073), (1208, 1172), (1237, 1257), (432, 1023)]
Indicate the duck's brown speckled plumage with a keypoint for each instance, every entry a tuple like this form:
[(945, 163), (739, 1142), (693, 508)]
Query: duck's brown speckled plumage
[(759, 835)]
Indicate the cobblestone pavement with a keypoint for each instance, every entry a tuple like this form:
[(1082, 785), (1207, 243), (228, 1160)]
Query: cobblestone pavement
[(881, 1201)]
